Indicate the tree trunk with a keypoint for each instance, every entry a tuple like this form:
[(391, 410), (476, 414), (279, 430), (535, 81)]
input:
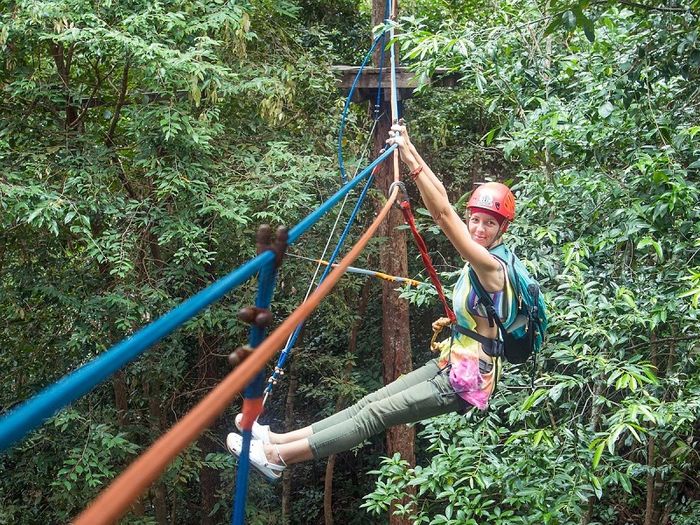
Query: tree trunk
[(396, 347), (396, 344), (63, 58), (209, 479), (328, 491), (596, 413), (342, 402), (121, 396), (655, 485), (288, 424), (161, 503), (649, 511), (151, 390)]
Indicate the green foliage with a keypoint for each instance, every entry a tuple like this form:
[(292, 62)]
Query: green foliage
[(595, 106), (141, 146)]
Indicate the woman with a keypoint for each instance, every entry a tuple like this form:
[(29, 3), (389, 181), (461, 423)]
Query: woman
[(463, 375)]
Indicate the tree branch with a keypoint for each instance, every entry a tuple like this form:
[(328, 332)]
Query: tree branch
[(120, 103), (63, 63), (665, 340), (649, 7), (95, 89), (109, 141)]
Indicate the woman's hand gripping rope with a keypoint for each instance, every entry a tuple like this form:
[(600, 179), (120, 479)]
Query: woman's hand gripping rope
[(399, 135)]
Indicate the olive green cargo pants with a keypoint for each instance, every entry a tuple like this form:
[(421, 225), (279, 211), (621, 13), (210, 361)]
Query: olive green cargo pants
[(421, 394)]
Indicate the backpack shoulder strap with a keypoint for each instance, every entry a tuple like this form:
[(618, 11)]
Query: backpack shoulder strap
[(486, 300)]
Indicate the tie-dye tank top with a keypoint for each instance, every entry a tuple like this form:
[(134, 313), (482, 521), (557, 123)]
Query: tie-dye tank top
[(462, 352)]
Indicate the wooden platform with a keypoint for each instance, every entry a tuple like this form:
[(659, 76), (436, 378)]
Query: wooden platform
[(407, 81)]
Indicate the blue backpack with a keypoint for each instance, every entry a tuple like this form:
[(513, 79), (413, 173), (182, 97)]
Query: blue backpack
[(521, 335)]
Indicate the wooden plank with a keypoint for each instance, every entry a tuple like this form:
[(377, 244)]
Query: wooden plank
[(406, 81)]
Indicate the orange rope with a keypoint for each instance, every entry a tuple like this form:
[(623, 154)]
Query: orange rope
[(115, 500)]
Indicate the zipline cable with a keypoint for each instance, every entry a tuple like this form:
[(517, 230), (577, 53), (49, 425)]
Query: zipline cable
[(378, 101), (392, 57), (364, 271), (114, 502), (295, 335), (33, 412), (394, 91), (341, 163)]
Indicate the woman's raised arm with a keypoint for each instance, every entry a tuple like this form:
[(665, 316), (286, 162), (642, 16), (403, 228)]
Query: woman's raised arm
[(434, 196)]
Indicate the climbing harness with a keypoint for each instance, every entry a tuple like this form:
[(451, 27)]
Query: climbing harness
[(522, 334)]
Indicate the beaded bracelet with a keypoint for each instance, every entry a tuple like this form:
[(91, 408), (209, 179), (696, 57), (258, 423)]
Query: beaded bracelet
[(414, 174)]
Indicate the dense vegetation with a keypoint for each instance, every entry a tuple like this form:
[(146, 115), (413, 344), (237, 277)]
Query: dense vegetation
[(142, 143)]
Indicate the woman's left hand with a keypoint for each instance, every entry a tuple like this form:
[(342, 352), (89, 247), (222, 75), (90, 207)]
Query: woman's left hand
[(399, 136)]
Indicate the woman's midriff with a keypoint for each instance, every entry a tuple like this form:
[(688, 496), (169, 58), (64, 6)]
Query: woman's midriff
[(483, 328)]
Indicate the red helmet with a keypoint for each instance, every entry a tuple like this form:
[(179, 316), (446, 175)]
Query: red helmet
[(495, 198)]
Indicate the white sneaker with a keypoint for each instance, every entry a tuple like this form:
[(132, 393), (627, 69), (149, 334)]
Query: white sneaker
[(260, 432), (271, 471)]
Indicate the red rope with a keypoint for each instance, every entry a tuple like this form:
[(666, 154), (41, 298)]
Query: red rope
[(252, 408), (408, 216)]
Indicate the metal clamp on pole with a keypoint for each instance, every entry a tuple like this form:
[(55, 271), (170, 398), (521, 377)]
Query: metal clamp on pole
[(264, 242)]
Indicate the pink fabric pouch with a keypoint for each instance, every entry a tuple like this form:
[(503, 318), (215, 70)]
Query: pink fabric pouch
[(468, 383)]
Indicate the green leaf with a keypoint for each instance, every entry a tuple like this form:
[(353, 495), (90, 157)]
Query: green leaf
[(35, 214), (625, 482), (597, 486), (588, 29), (605, 109), (553, 25), (533, 399), (488, 138), (569, 18), (598, 453), (612, 438), (585, 23), (537, 438)]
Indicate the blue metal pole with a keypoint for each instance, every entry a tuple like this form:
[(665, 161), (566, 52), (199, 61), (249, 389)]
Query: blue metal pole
[(33, 412), (266, 284)]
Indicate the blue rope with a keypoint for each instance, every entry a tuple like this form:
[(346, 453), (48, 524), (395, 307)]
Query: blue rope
[(395, 98), (33, 412), (266, 285), (346, 108), (378, 101), (295, 335)]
